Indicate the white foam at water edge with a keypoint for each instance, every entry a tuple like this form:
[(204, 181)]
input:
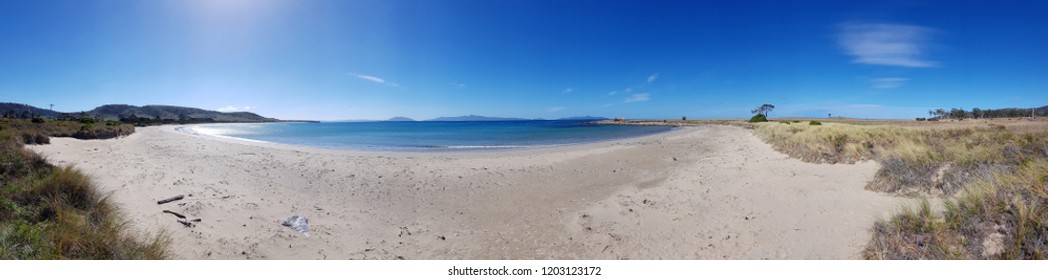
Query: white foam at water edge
[(213, 133), (486, 147)]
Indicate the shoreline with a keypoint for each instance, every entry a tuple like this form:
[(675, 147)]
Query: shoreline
[(438, 152), (702, 192)]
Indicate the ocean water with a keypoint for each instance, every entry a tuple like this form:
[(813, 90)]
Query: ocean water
[(427, 136)]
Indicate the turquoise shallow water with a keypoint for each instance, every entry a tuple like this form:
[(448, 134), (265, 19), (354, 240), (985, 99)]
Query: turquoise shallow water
[(428, 136)]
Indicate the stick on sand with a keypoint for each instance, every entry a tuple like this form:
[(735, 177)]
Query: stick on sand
[(180, 216), (178, 197)]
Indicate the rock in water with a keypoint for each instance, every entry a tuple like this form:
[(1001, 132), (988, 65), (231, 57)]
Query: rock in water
[(298, 223)]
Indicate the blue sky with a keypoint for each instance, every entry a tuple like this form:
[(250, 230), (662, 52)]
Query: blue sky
[(331, 60)]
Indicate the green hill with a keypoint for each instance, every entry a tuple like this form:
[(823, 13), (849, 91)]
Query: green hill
[(114, 112)]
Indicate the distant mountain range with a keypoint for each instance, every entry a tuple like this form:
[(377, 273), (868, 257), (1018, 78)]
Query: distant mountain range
[(475, 118), (16, 110), (116, 111), (583, 118)]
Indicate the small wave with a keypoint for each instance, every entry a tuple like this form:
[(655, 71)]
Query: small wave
[(472, 146), (486, 147), (213, 133), (184, 129)]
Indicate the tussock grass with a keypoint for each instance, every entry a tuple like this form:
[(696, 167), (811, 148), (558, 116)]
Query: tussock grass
[(994, 179), (830, 142), (49, 212), (914, 160), (1002, 217)]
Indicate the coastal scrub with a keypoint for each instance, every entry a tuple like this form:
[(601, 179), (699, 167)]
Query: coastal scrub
[(49, 212), (994, 179), (914, 160), (1003, 217)]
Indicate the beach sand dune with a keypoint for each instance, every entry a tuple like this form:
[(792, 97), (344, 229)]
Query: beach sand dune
[(710, 192)]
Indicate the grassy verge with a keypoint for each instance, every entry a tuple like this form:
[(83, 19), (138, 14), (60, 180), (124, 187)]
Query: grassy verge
[(914, 160), (999, 218), (49, 212), (994, 179), (37, 133)]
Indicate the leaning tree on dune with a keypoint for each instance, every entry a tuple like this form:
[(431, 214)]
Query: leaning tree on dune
[(763, 109)]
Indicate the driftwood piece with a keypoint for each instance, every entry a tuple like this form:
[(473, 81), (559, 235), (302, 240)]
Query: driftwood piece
[(197, 220), (174, 198), (185, 223), (180, 216)]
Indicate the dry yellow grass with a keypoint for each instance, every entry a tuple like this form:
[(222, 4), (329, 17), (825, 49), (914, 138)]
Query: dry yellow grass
[(1003, 217), (932, 160), (994, 176)]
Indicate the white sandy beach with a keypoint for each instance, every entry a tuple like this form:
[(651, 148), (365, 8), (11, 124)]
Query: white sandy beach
[(711, 192)]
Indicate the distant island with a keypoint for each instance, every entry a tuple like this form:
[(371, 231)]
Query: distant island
[(139, 115), (166, 114), (475, 118), (583, 118)]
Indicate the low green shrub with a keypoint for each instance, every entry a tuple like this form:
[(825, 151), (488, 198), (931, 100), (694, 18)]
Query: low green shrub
[(758, 118)]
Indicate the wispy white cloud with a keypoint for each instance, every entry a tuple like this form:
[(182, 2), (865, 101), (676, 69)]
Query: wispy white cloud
[(886, 44), (458, 85), (368, 77), (231, 108), (653, 77), (637, 97), (374, 79), (888, 83), (555, 109), (568, 90)]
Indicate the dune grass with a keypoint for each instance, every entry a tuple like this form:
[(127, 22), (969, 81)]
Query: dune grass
[(49, 212), (994, 179), (914, 160), (1003, 217)]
